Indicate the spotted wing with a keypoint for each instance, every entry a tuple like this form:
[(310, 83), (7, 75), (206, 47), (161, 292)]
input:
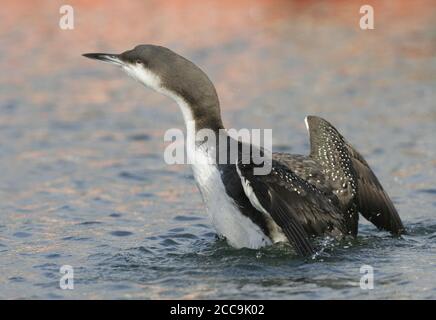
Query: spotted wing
[(296, 206), (372, 200), (352, 178), (306, 168)]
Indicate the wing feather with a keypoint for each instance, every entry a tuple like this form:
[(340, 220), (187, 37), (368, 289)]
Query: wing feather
[(362, 188), (297, 207)]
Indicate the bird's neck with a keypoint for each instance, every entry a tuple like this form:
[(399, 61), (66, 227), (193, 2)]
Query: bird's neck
[(199, 115), (201, 122)]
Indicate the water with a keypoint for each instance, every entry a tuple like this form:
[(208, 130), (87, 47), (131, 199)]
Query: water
[(81, 147)]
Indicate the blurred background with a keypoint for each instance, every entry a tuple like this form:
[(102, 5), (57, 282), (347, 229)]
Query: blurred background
[(83, 181)]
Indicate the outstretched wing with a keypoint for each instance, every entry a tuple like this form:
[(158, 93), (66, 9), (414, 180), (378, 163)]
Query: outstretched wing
[(297, 207), (352, 178), (372, 200)]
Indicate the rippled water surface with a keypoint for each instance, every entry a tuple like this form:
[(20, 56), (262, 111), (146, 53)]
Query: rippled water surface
[(83, 181)]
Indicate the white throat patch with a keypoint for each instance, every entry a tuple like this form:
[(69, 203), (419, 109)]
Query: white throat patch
[(142, 75), (152, 80)]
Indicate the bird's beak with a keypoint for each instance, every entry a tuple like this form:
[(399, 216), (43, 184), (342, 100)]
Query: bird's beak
[(106, 57)]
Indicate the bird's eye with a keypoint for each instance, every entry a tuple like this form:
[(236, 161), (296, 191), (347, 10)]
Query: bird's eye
[(138, 61)]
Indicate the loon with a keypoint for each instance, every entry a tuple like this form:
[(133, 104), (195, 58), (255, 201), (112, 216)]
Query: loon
[(301, 197)]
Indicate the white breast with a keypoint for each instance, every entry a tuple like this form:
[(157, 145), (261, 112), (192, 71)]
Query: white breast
[(239, 230), (276, 233)]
